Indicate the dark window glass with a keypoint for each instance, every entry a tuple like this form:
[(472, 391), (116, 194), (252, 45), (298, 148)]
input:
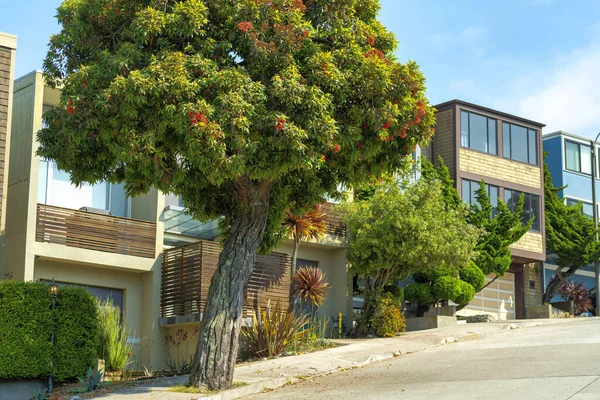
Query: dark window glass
[(306, 263), (531, 207), (519, 143), (478, 132), (464, 129), (518, 139), (494, 193), (506, 139), (469, 194)]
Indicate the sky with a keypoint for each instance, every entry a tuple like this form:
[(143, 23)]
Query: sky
[(538, 59)]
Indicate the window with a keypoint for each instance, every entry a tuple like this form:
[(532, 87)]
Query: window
[(469, 194), (55, 188), (306, 263), (531, 207), (578, 157), (478, 132), (519, 143), (587, 208)]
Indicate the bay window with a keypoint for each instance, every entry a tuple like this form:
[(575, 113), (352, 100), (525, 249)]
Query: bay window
[(478, 132), (519, 143)]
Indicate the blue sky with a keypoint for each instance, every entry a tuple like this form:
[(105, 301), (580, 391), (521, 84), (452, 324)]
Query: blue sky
[(539, 59)]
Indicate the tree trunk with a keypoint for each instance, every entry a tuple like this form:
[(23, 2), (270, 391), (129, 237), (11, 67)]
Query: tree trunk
[(293, 266), (217, 348)]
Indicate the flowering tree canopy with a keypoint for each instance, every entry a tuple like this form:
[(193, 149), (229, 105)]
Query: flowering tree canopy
[(242, 107)]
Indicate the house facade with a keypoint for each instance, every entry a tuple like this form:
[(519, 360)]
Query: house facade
[(504, 150), (145, 253), (569, 161), (8, 47)]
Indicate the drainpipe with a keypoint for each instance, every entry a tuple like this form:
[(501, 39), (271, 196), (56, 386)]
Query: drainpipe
[(595, 216)]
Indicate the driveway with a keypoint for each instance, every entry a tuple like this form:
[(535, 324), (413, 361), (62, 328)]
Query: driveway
[(544, 362)]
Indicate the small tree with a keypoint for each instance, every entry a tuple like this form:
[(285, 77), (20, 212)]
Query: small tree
[(242, 107), (401, 230), (501, 229), (570, 237)]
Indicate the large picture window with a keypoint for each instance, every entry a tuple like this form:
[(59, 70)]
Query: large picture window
[(478, 132), (531, 207), (578, 157), (469, 194), (519, 143)]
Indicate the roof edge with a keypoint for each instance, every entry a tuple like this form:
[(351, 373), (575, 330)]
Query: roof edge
[(7, 40), (490, 110)]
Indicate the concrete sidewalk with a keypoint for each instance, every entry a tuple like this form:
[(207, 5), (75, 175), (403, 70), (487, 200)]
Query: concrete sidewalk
[(351, 353)]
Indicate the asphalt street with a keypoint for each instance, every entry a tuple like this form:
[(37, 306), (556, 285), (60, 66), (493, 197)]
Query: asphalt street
[(546, 362)]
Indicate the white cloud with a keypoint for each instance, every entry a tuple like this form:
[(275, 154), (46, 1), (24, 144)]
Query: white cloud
[(565, 94)]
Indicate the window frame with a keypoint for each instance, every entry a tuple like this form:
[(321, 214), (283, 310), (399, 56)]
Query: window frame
[(578, 144), (528, 131), (538, 217), (583, 203), (487, 128)]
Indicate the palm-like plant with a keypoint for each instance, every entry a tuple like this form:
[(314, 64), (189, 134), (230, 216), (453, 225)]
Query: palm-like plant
[(309, 225), (310, 285)]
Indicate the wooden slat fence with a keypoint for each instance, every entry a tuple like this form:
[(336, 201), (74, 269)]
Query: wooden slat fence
[(188, 270), (88, 230), (333, 222)]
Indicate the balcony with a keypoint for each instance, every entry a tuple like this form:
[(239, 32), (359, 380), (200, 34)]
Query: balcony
[(188, 270), (91, 231)]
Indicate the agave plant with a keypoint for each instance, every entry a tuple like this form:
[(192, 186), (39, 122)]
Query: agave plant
[(310, 285), (310, 225), (272, 330)]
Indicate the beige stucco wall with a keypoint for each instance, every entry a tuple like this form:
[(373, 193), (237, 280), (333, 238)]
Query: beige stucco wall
[(500, 168), (531, 241)]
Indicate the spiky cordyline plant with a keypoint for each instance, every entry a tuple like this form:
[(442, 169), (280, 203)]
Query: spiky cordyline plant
[(579, 294), (310, 285)]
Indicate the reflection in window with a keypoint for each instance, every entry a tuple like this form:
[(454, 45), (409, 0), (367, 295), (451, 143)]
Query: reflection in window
[(478, 132), (519, 143), (531, 207), (469, 194), (586, 208), (578, 157)]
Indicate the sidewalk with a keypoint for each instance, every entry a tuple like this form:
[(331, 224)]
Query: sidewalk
[(352, 353)]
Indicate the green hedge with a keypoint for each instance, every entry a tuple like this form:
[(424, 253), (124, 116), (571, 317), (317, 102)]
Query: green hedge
[(77, 333), (26, 326)]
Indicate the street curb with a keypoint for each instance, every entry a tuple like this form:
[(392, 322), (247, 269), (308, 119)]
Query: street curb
[(275, 383)]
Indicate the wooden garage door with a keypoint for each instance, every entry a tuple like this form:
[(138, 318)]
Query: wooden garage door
[(498, 299)]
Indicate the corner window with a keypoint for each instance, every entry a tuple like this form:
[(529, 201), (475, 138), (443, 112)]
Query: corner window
[(587, 208), (531, 207), (519, 143), (578, 157), (469, 194), (478, 132)]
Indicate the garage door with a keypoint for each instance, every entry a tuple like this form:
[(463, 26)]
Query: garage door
[(498, 299)]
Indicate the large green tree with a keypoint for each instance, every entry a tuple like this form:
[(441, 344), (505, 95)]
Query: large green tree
[(404, 229), (502, 226), (242, 107), (570, 237)]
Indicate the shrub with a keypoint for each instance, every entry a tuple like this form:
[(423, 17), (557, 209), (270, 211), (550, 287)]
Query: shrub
[(446, 288), (467, 292), (310, 285), (387, 319), (92, 380), (432, 274), (579, 294), (396, 291), (112, 346), (473, 275), (27, 324), (272, 330), (419, 293), (77, 332), (25, 330)]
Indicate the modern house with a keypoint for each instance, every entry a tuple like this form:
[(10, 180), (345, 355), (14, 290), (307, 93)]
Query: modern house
[(569, 161), (8, 47), (146, 252), (478, 143)]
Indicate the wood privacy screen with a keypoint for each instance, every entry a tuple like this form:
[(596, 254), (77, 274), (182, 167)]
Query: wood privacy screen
[(188, 270), (333, 221), (87, 230)]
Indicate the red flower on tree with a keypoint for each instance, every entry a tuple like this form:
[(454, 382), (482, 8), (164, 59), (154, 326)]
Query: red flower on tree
[(387, 124), (280, 124), (245, 26), (337, 148), (70, 108), (197, 118)]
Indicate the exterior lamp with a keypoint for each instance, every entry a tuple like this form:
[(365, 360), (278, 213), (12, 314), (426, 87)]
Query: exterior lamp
[(54, 288)]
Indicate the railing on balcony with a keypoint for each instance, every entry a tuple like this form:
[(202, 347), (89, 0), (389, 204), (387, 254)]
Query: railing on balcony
[(188, 270), (88, 230), (333, 221)]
